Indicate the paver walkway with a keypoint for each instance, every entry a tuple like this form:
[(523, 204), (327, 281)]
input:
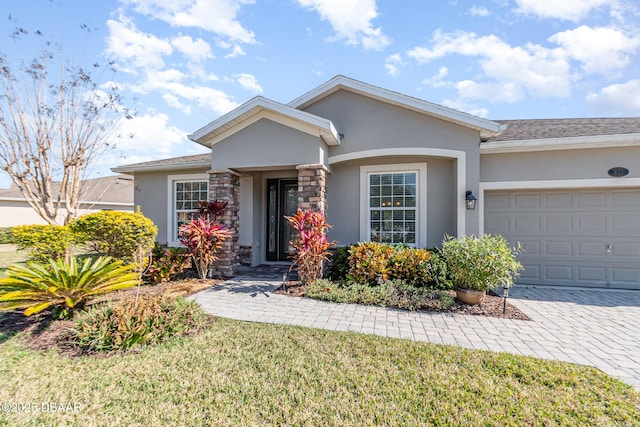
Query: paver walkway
[(599, 328)]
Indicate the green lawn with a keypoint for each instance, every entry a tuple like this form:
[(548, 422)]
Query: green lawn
[(238, 373), (9, 255)]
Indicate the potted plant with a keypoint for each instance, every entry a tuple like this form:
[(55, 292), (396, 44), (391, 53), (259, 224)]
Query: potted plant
[(477, 265)]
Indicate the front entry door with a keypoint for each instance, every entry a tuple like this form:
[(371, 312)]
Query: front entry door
[(282, 200)]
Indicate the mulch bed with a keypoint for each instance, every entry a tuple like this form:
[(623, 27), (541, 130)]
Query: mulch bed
[(492, 306), (42, 332)]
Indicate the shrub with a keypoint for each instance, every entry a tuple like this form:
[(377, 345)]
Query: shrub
[(203, 238), (145, 320), (411, 265), (438, 271), (369, 262), (481, 263), (6, 235), (311, 246), (44, 242), (166, 263), (65, 285), (114, 233), (340, 264), (374, 263), (393, 293), (211, 210)]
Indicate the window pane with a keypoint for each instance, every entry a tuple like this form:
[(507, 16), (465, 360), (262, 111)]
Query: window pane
[(386, 190), (374, 191), (410, 215), (374, 202), (375, 215), (374, 179), (398, 178), (411, 238), (410, 190), (410, 202), (410, 178), (385, 179), (398, 215)]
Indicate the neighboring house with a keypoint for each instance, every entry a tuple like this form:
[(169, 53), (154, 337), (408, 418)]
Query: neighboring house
[(107, 193), (389, 167)]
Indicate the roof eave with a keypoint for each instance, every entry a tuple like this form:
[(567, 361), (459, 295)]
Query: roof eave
[(131, 169), (566, 143)]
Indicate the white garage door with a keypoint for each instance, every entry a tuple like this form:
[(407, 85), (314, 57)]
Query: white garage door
[(571, 237)]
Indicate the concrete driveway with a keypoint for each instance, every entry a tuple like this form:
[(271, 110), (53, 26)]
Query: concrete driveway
[(599, 328)]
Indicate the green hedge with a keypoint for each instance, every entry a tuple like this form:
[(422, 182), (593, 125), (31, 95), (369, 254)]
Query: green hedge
[(45, 242), (6, 235)]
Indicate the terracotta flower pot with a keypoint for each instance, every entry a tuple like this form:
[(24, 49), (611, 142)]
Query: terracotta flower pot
[(469, 296)]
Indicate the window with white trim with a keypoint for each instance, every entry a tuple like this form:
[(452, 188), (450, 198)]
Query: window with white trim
[(185, 197), (393, 206)]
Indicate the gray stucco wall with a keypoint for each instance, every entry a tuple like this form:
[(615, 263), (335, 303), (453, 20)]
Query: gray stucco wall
[(267, 144), (560, 164), (343, 198), (369, 124), (151, 194)]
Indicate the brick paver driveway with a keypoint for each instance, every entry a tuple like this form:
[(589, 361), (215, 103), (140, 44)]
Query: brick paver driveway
[(599, 328)]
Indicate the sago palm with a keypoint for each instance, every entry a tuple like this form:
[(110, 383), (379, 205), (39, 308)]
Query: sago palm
[(36, 287)]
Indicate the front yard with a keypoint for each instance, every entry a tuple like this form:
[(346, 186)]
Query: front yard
[(237, 373)]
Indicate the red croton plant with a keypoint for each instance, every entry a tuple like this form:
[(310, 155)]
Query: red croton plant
[(311, 246), (204, 239)]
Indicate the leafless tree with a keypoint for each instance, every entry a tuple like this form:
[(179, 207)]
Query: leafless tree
[(54, 123)]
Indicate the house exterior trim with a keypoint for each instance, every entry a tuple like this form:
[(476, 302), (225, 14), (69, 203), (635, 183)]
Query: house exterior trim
[(461, 168), (568, 143), (550, 185), (258, 108), (170, 205)]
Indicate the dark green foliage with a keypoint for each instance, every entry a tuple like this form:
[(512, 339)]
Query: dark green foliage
[(393, 293), (44, 242), (166, 263), (115, 233), (135, 321), (340, 266), (438, 271), (6, 235)]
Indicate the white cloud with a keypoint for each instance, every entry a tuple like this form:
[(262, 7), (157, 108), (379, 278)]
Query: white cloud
[(600, 50), (237, 51), (618, 99), (572, 10), (479, 11), (511, 70), (467, 108), (217, 16), (351, 20), (196, 50), (134, 49), (149, 133), (248, 82), (393, 64), (437, 81)]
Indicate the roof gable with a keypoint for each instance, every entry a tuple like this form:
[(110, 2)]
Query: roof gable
[(487, 128), (259, 108)]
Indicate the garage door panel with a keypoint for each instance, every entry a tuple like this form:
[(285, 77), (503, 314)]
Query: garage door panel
[(571, 237), (562, 223)]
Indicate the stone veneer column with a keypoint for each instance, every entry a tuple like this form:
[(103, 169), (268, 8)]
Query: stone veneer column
[(225, 186), (312, 187)]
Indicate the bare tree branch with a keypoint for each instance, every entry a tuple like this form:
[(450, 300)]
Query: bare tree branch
[(50, 133)]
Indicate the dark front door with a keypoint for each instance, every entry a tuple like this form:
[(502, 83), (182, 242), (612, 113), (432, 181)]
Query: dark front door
[(282, 200)]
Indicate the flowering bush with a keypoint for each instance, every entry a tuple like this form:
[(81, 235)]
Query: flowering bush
[(203, 238), (311, 246)]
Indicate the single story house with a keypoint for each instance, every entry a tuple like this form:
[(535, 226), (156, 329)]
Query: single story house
[(105, 193), (393, 168)]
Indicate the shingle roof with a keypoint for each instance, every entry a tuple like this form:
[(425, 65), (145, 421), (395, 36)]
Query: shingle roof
[(519, 130), (183, 162), (108, 189)]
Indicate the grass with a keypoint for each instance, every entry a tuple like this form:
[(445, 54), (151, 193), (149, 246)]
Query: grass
[(237, 373), (9, 255)]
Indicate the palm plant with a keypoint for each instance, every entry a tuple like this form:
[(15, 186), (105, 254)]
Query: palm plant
[(65, 285)]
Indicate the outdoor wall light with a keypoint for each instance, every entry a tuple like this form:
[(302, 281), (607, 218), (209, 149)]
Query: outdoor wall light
[(471, 200)]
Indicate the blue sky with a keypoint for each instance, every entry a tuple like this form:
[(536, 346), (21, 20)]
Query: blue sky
[(183, 63)]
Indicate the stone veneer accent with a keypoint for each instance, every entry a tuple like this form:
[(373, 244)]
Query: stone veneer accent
[(312, 187), (225, 186), (245, 255)]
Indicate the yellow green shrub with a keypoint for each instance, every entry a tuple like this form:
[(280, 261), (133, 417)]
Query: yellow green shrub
[(115, 233), (44, 242)]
